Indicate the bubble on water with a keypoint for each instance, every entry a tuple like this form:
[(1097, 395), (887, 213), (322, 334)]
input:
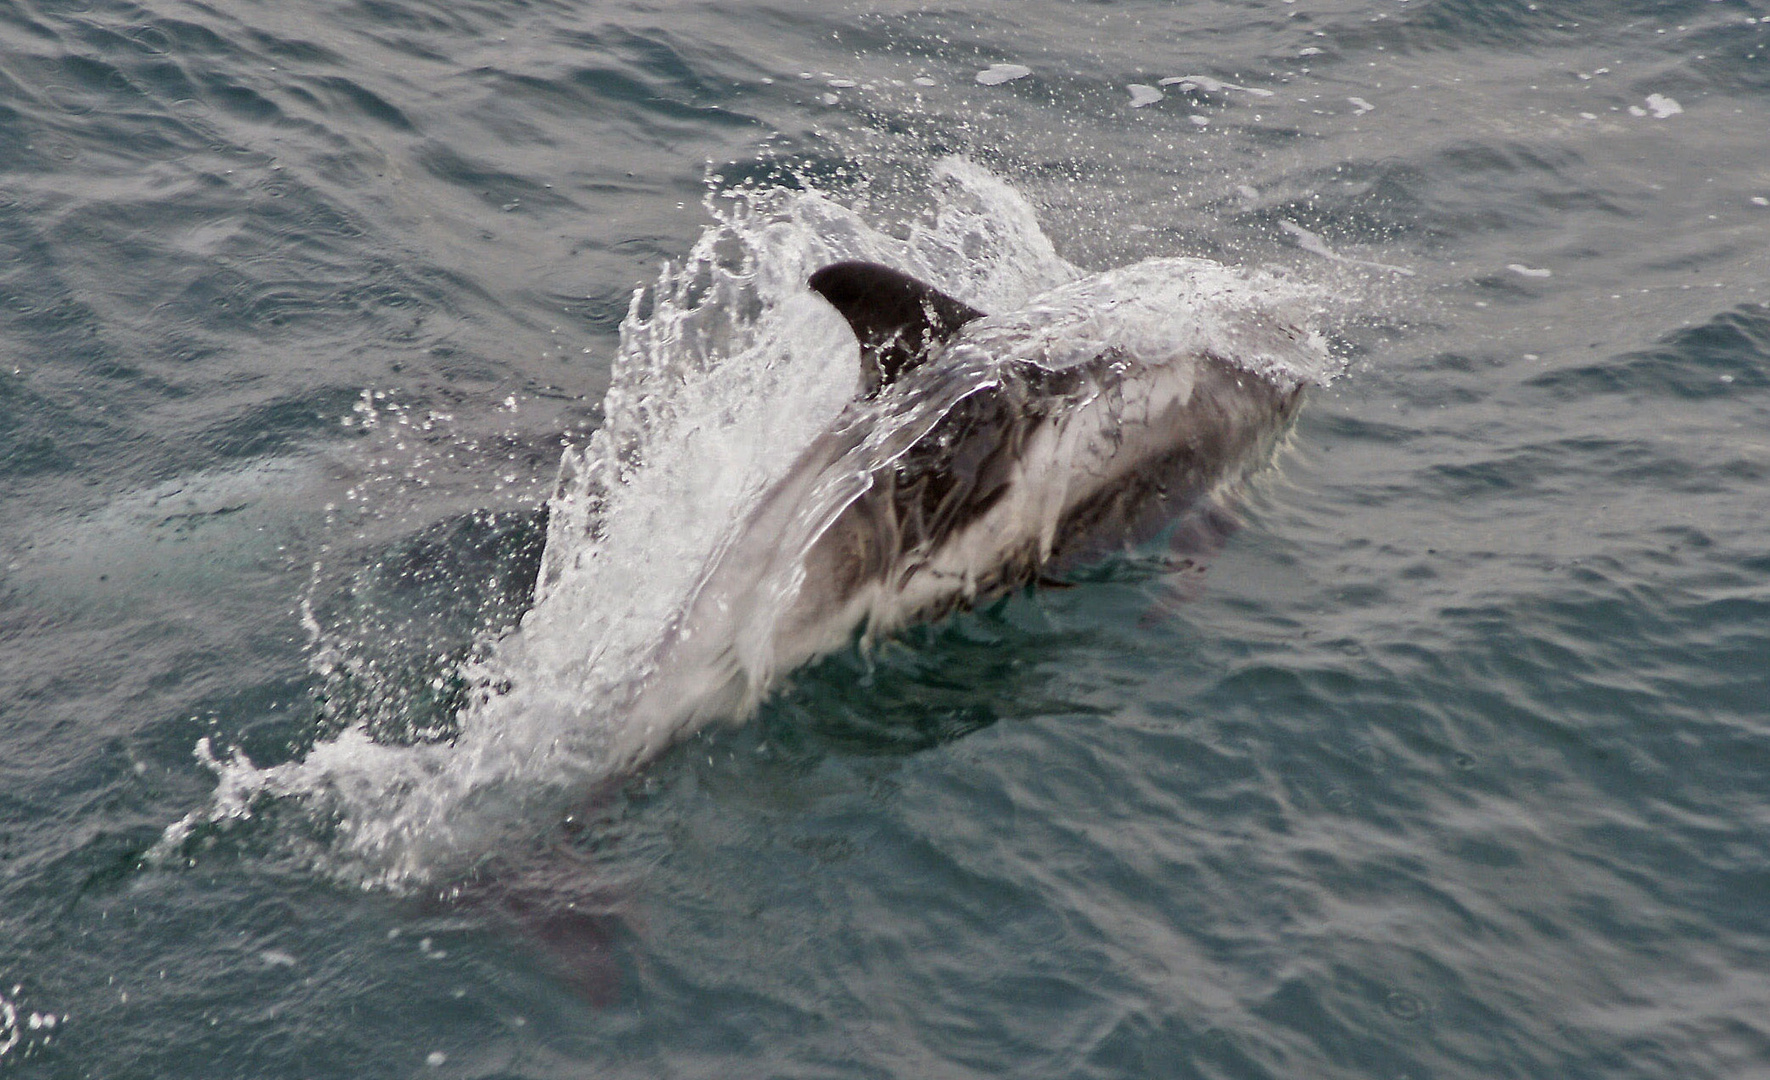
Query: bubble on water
[(152, 39), (996, 74), (67, 99), (1206, 84), (1404, 1005), (1662, 106)]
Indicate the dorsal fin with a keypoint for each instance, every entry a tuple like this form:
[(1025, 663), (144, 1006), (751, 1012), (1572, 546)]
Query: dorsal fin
[(897, 319)]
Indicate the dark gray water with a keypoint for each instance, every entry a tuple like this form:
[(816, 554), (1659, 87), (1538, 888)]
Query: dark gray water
[(1455, 766)]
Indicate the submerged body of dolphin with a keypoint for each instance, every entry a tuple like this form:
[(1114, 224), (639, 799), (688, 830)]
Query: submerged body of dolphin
[(984, 453)]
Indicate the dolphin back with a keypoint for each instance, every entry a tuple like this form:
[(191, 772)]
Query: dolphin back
[(988, 453)]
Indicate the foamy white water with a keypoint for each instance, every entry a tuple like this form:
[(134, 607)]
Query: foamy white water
[(729, 366)]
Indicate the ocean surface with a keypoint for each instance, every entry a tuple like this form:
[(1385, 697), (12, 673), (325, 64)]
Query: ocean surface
[(1454, 761)]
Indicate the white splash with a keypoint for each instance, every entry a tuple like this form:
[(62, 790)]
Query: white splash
[(728, 368), (728, 365)]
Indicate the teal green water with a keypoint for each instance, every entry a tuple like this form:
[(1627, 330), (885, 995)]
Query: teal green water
[(1454, 765)]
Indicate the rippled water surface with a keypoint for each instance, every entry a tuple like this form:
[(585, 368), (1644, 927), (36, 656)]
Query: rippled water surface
[(1454, 762)]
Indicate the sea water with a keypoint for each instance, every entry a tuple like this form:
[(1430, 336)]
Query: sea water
[(1449, 763)]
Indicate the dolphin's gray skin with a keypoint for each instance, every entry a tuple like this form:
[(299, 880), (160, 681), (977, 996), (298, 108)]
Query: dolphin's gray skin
[(979, 458)]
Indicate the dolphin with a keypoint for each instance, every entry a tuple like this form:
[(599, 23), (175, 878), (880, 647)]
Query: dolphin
[(981, 455)]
